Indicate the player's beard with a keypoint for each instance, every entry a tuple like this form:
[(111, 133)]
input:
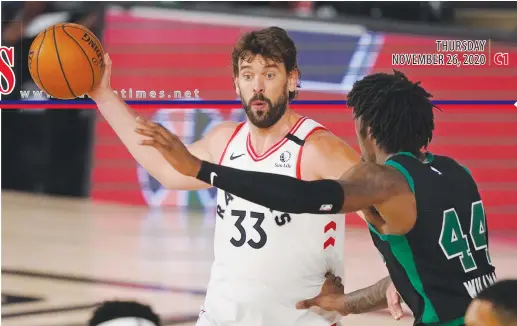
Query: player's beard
[(269, 116)]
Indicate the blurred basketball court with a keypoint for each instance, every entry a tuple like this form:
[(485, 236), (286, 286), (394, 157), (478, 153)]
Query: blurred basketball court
[(60, 257)]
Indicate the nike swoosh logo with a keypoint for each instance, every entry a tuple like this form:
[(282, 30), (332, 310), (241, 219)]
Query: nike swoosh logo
[(235, 157), (212, 177)]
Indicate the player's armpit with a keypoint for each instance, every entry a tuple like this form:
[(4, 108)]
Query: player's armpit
[(372, 216)]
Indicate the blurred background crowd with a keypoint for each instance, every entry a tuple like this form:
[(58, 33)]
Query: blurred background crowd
[(41, 160)]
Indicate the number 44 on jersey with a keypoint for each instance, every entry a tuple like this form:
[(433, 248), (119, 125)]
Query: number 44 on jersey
[(454, 242)]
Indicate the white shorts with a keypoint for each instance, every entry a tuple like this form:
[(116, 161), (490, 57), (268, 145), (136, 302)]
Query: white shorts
[(205, 319)]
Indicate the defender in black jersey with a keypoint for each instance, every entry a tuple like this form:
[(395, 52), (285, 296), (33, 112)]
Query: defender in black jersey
[(441, 264), (431, 225)]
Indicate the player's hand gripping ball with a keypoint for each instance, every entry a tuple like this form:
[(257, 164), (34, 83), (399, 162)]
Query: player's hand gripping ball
[(66, 60)]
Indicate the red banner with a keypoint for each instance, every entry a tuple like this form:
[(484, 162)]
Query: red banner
[(164, 54)]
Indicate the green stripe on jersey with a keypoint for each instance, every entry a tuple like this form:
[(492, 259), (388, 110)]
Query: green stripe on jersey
[(402, 251), (403, 170)]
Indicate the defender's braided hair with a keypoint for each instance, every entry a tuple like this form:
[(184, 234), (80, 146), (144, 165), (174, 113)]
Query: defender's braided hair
[(398, 112)]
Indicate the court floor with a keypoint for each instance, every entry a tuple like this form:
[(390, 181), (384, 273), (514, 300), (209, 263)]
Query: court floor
[(60, 257)]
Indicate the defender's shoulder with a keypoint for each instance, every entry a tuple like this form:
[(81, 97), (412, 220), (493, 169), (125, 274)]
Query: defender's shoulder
[(452, 162), (444, 160)]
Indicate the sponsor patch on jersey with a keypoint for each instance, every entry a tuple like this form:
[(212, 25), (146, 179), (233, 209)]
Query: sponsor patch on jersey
[(285, 156), (283, 165)]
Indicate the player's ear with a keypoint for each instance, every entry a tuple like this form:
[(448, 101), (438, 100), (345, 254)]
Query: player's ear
[(292, 80), (236, 85)]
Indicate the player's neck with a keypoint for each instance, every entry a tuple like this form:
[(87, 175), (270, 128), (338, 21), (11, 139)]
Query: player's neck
[(381, 157), (263, 138)]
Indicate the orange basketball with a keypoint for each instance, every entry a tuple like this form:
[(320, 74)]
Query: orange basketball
[(66, 60)]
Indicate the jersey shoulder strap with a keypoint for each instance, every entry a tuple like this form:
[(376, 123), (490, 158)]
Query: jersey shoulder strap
[(300, 135), (307, 128)]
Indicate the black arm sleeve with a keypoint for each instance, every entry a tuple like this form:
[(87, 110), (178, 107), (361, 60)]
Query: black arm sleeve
[(274, 191)]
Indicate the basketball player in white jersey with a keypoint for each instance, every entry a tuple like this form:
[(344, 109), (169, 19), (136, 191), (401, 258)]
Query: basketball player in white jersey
[(265, 261)]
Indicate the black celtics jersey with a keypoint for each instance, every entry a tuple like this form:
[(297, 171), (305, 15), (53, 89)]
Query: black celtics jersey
[(443, 262)]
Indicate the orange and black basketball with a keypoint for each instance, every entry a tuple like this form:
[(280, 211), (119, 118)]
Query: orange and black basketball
[(66, 60)]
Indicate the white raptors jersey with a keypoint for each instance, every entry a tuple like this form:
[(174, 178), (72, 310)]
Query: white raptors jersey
[(266, 261)]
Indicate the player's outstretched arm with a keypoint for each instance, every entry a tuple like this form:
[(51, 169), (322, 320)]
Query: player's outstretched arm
[(123, 121), (362, 186)]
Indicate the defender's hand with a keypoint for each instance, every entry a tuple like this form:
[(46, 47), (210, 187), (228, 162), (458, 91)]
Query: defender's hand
[(169, 145), (394, 302), (331, 297)]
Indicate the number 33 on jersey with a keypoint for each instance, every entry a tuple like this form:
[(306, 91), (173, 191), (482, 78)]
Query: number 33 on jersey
[(257, 250)]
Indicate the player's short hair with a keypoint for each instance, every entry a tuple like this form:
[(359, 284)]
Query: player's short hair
[(272, 43), (502, 295), (110, 310), (398, 112)]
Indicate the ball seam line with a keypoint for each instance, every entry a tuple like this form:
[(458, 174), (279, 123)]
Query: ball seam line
[(84, 52), (37, 62), (60, 65)]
